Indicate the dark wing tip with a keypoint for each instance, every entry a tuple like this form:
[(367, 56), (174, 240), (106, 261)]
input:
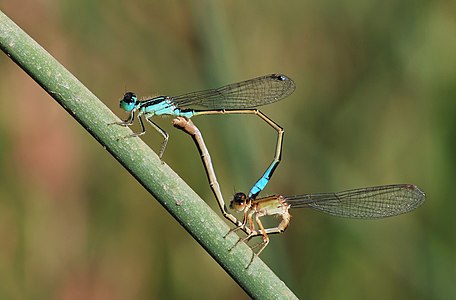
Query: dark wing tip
[(281, 77), (419, 195), (291, 85), (414, 188)]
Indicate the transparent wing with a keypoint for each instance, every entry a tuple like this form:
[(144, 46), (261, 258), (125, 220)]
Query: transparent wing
[(246, 94), (367, 203)]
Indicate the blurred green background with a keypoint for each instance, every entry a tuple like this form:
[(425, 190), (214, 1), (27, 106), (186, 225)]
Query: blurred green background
[(374, 104)]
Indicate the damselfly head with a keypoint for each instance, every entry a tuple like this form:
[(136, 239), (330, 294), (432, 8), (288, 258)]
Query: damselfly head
[(238, 202), (128, 101)]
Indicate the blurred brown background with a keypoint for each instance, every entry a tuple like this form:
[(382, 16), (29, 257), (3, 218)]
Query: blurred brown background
[(374, 104)]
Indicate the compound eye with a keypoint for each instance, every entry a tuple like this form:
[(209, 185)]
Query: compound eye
[(129, 97), (238, 202)]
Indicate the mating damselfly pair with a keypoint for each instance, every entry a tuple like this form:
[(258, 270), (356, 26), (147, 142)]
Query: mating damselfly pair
[(362, 203), (243, 98)]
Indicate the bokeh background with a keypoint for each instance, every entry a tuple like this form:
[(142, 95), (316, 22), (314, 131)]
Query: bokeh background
[(374, 104)]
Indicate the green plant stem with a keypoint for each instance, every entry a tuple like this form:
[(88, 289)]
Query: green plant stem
[(162, 183)]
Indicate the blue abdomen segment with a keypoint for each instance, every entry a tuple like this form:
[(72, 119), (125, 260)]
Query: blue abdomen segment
[(188, 113), (263, 181), (258, 187), (163, 105)]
